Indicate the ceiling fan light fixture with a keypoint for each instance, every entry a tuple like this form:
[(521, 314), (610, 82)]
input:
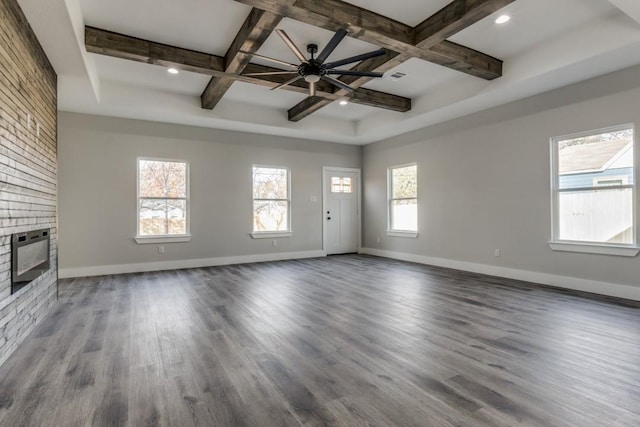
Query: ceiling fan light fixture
[(503, 19), (312, 78)]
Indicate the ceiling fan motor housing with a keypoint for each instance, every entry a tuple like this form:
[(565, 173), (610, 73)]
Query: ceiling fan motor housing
[(311, 71)]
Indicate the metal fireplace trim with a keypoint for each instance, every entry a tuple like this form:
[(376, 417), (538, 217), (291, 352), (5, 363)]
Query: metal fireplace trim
[(19, 240)]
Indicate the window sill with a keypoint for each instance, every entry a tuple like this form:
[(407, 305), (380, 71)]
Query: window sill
[(405, 234), (143, 240), (588, 248), (271, 234)]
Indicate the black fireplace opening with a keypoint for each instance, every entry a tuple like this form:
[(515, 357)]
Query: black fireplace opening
[(29, 257)]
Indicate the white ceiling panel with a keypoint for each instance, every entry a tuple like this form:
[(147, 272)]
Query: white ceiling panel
[(149, 76), (421, 76), (533, 23), (408, 12), (203, 25), (263, 96), (350, 111)]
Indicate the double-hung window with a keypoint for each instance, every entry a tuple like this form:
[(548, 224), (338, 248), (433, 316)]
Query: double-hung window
[(163, 200), (593, 192), (403, 200), (271, 202)]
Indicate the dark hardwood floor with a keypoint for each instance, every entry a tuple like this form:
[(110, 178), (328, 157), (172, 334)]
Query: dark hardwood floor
[(346, 340)]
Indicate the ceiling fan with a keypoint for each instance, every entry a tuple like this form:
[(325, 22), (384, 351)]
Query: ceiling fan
[(313, 69)]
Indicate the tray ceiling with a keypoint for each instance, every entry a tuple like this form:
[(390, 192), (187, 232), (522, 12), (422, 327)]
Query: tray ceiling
[(546, 44)]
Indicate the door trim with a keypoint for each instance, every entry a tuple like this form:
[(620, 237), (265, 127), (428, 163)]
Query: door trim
[(325, 174)]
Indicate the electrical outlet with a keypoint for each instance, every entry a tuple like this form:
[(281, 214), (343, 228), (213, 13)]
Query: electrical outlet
[(161, 249), (274, 242), (378, 239), (496, 252)]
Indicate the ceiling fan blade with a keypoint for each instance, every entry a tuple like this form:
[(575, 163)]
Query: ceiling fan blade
[(312, 88), (292, 46), (355, 73), (356, 58), (272, 73), (266, 58), (330, 47), (338, 83), (288, 82)]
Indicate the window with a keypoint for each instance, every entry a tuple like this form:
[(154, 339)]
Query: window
[(594, 191), (163, 200), (271, 202), (341, 184), (403, 200)]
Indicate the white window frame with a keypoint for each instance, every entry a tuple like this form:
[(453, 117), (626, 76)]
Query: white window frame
[(272, 234), (162, 238), (411, 234), (558, 244)]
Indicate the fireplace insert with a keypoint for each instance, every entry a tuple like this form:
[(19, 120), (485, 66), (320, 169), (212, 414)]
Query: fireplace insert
[(29, 257)]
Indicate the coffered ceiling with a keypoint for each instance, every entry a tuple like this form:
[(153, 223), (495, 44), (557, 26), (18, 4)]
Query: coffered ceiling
[(546, 44)]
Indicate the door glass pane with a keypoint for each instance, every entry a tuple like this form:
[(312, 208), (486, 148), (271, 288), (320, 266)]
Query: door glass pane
[(341, 184), (603, 216), (269, 215), (404, 215), (161, 216)]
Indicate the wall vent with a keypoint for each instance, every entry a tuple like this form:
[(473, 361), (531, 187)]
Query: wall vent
[(397, 75)]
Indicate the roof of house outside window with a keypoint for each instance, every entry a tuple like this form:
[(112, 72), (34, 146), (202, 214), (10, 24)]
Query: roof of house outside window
[(595, 156)]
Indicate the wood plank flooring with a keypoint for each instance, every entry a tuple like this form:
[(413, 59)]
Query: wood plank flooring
[(344, 340)]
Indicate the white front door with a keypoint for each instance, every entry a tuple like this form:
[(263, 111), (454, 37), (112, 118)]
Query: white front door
[(341, 210)]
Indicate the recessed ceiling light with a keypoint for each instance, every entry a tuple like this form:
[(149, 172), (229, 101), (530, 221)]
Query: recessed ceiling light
[(503, 19), (173, 71), (343, 102)]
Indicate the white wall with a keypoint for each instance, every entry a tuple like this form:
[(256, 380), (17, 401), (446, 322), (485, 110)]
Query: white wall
[(97, 196), (484, 183)]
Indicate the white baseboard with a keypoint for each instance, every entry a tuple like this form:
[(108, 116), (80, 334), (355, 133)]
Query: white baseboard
[(592, 286), (101, 270)]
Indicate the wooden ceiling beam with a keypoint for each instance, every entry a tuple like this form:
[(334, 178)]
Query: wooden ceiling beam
[(385, 32), (254, 31), (126, 47), (362, 96), (428, 36)]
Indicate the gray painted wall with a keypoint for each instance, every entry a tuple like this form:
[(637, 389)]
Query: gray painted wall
[(97, 182), (484, 181)]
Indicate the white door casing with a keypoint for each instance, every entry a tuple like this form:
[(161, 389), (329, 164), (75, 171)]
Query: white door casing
[(341, 210)]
